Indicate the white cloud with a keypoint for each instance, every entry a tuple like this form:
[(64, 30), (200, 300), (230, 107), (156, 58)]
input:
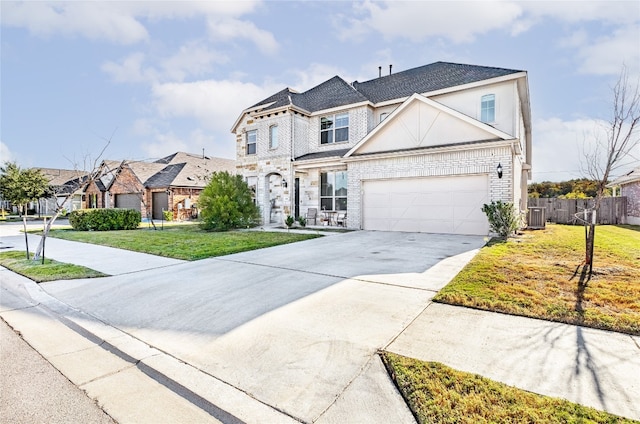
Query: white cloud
[(558, 147), (605, 55), (105, 21), (230, 28), (165, 144), (5, 154), (463, 21), (194, 142), (314, 74), (457, 21), (192, 59), (216, 104), (129, 70), (117, 22), (613, 12)]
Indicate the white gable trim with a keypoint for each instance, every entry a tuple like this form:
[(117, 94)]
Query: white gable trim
[(417, 97), (434, 149)]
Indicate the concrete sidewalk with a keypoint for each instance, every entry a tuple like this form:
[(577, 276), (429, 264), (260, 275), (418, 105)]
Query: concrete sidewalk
[(591, 367), (108, 260)]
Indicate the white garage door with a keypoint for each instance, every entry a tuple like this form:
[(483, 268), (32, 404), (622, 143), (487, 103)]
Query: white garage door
[(428, 205)]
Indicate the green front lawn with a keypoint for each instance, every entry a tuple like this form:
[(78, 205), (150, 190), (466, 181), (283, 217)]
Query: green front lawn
[(538, 275), (49, 271), (438, 394), (187, 242)]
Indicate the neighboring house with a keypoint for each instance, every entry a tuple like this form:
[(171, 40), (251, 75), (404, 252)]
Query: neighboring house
[(417, 150), (630, 187), (64, 183), (171, 183)]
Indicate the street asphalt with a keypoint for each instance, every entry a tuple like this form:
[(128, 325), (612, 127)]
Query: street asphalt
[(291, 333)]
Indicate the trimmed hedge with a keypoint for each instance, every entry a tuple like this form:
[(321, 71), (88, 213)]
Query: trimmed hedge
[(104, 219)]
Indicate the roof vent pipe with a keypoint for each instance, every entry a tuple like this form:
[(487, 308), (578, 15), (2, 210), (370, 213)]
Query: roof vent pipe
[(203, 153), (379, 71), (390, 66)]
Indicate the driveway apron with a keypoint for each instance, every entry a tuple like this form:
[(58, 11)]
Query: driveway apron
[(296, 326)]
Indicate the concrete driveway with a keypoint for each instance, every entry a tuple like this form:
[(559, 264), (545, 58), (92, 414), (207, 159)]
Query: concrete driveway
[(295, 326)]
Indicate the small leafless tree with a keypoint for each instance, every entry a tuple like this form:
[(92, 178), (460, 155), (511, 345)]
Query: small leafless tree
[(608, 154), (85, 174)]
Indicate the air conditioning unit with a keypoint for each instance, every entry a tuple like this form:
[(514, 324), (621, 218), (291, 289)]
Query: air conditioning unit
[(536, 218)]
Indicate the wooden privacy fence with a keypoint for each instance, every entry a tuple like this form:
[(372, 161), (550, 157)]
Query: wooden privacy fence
[(613, 210)]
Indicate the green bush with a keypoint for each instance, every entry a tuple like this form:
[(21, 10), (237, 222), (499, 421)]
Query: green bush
[(502, 217), (289, 221), (303, 221), (227, 203), (104, 219), (168, 215)]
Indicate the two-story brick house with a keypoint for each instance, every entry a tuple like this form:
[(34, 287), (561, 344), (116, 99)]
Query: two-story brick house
[(419, 150)]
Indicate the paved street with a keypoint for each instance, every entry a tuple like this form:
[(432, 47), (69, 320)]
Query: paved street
[(32, 390)]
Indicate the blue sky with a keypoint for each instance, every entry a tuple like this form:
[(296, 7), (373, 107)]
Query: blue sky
[(160, 77)]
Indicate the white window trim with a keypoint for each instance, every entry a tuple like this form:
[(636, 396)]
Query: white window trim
[(495, 108), (334, 128), (271, 146), (255, 143)]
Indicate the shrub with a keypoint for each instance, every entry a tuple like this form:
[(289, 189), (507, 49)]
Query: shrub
[(168, 215), (502, 217), (227, 203), (289, 221), (104, 219), (302, 221)]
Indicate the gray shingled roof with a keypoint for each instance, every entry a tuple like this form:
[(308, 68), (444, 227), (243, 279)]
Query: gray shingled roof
[(281, 98), (423, 79), (337, 92), (165, 177), (331, 93), (323, 155)]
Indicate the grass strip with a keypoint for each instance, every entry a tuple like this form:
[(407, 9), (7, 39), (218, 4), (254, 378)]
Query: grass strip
[(187, 242), (436, 393), (51, 270), (539, 275)]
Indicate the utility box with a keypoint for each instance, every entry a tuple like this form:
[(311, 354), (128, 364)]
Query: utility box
[(536, 218)]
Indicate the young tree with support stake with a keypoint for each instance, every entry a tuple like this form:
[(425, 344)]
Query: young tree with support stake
[(80, 183), (608, 155)]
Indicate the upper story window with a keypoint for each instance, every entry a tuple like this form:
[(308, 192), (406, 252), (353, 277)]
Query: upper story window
[(252, 137), (383, 116), (488, 108), (273, 137), (334, 128)]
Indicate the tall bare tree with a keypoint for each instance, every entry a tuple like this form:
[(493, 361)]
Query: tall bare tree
[(607, 155)]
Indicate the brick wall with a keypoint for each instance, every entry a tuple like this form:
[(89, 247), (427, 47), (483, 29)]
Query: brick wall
[(463, 162)]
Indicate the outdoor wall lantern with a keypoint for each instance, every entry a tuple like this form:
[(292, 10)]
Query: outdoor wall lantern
[(284, 183), (499, 169)]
